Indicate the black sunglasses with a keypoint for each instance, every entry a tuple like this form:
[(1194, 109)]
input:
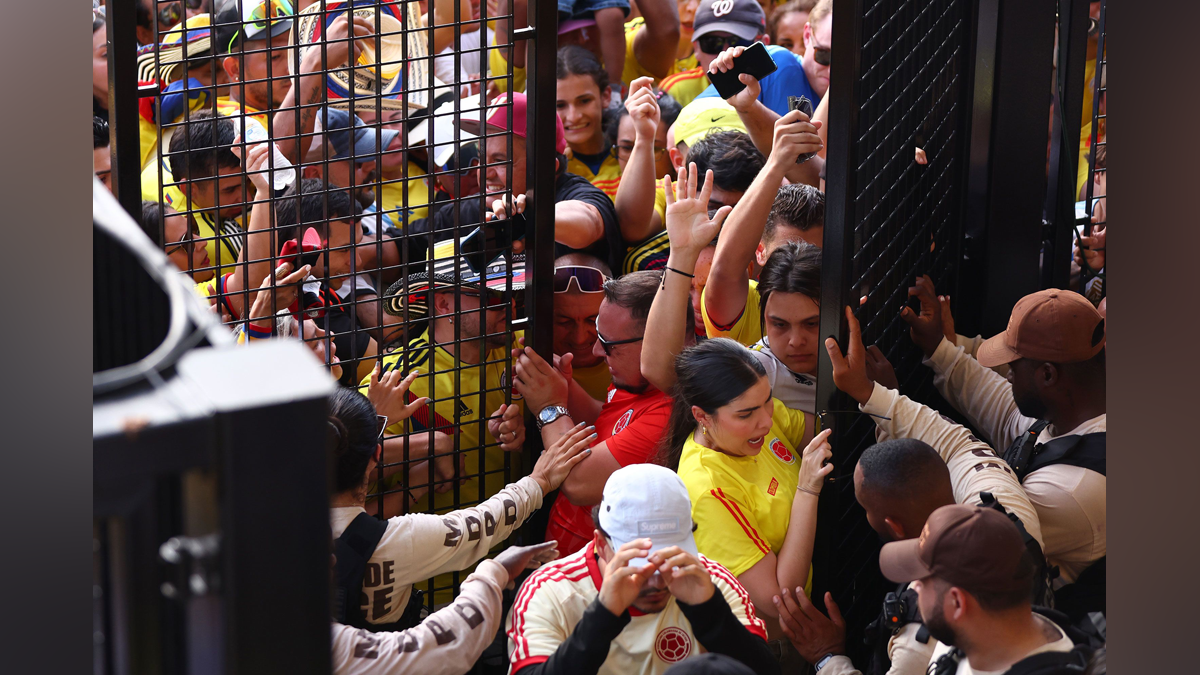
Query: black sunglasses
[(822, 55), (187, 243), (715, 44), (607, 345)]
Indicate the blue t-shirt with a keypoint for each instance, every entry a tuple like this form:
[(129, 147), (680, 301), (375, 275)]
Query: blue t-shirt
[(788, 80)]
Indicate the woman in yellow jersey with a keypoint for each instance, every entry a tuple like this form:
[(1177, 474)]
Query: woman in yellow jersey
[(754, 494), (583, 94)]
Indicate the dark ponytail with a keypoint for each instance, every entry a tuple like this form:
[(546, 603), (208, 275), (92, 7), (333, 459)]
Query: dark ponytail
[(708, 375), (353, 437)]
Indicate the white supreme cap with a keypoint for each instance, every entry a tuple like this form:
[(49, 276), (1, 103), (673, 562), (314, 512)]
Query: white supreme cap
[(647, 500)]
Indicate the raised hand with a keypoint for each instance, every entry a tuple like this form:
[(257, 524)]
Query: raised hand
[(255, 164), (557, 460), (879, 369), (850, 371), (744, 99), (812, 462), (508, 426), (268, 300), (622, 583), (689, 227), (1093, 249), (643, 109), (926, 328), (338, 47), (538, 381), (517, 559), (810, 631), (686, 577), (388, 393), (794, 135)]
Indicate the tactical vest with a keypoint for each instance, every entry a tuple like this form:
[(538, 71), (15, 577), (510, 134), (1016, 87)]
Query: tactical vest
[(1074, 662), (1026, 455), (353, 550)]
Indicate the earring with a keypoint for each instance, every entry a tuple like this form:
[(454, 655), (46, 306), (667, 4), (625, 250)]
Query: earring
[(703, 430), (451, 319)]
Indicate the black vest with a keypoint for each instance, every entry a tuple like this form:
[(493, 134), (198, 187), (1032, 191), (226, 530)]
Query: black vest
[(1075, 662), (353, 550), (1026, 455)]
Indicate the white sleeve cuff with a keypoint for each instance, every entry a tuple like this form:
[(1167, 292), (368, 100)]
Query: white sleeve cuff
[(880, 401), (943, 357)]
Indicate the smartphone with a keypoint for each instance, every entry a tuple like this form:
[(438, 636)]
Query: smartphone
[(755, 62), (804, 105)]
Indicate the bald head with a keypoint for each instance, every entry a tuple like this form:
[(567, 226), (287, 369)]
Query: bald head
[(899, 483), (577, 259)]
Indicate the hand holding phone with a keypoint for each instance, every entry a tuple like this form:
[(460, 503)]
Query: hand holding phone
[(804, 105), (754, 61)]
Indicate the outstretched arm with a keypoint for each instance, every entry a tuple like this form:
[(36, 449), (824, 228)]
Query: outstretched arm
[(655, 45), (635, 193)]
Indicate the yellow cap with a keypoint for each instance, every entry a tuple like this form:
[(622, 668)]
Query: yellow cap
[(704, 116)]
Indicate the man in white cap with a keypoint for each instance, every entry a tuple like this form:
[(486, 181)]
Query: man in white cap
[(639, 597)]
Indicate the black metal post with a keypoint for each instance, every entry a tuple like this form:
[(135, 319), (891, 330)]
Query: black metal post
[(121, 25), (541, 84), (1064, 147)]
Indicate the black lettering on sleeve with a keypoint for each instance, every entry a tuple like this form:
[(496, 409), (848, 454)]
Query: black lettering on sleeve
[(489, 523), (472, 528), (365, 648), (453, 534), (408, 642), (441, 635), (470, 613), (983, 452), (510, 512), (992, 465)]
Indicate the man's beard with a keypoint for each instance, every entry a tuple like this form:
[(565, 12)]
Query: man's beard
[(937, 625), (633, 389), (1030, 406)]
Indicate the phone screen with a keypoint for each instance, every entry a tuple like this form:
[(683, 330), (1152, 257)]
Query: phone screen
[(755, 61)]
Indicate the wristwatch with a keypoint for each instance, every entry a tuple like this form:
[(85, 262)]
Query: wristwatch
[(549, 414), (824, 660)]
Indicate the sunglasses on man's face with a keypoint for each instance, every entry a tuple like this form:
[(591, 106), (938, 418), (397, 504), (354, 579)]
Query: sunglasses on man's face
[(494, 299), (587, 279), (169, 15), (607, 345), (715, 44), (187, 243), (821, 55)]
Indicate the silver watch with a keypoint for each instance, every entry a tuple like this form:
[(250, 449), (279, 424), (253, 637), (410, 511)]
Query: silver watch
[(549, 414), (824, 660)]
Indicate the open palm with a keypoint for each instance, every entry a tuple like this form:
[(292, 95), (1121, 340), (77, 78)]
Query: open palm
[(689, 226)]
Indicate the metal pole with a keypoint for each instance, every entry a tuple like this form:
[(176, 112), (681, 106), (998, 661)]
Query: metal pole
[(121, 25)]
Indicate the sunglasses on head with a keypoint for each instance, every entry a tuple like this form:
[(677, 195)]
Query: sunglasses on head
[(587, 279), (821, 55), (607, 345), (715, 44)]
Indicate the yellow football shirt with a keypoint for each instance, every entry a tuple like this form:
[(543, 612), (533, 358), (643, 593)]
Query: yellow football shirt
[(656, 246), (742, 505), (498, 68), (594, 380), (747, 329), (223, 237), (392, 200), (633, 69), (607, 178), (686, 85)]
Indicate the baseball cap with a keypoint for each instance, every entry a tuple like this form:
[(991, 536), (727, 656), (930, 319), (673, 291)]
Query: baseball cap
[(338, 133), (647, 500), (255, 20), (743, 18), (704, 116), (1051, 325), (497, 120), (972, 547)]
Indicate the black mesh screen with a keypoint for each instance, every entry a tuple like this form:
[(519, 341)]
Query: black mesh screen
[(900, 200)]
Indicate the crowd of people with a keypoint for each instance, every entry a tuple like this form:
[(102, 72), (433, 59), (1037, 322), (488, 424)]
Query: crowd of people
[(684, 454)]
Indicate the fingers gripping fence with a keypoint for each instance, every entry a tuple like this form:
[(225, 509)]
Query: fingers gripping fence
[(899, 90), (320, 171)]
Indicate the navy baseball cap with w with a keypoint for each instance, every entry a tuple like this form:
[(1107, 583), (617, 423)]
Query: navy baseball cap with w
[(743, 18)]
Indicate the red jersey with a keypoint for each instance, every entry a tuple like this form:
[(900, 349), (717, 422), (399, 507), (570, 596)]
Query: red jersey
[(631, 426)]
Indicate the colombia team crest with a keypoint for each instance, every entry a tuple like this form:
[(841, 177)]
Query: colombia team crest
[(672, 645), (782, 452), (623, 422)]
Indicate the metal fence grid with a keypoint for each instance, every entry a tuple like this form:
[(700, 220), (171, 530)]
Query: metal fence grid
[(904, 70), (1092, 282), (424, 169)]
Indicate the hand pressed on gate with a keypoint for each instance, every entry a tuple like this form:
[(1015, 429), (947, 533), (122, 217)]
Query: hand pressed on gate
[(517, 559), (690, 230), (538, 382), (388, 393), (813, 468), (1093, 254), (507, 425), (928, 327), (850, 371), (879, 369), (812, 633)]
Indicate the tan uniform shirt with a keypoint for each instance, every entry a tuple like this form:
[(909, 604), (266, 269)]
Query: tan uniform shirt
[(418, 546), (1071, 501), (447, 641)]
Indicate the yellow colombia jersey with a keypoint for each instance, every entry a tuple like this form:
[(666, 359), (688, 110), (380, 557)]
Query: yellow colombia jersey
[(223, 237), (685, 86), (498, 68), (463, 398), (608, 178), (747, 329), (642, 255), (742, 505), (594, 380), (392, 200), (633, 70)]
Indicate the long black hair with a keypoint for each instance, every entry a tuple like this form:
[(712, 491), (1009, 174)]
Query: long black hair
[(794, 267), (708, 375), (353, 437)]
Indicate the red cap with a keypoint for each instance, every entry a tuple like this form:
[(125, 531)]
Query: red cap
[(497, 120), (1051, 325)]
